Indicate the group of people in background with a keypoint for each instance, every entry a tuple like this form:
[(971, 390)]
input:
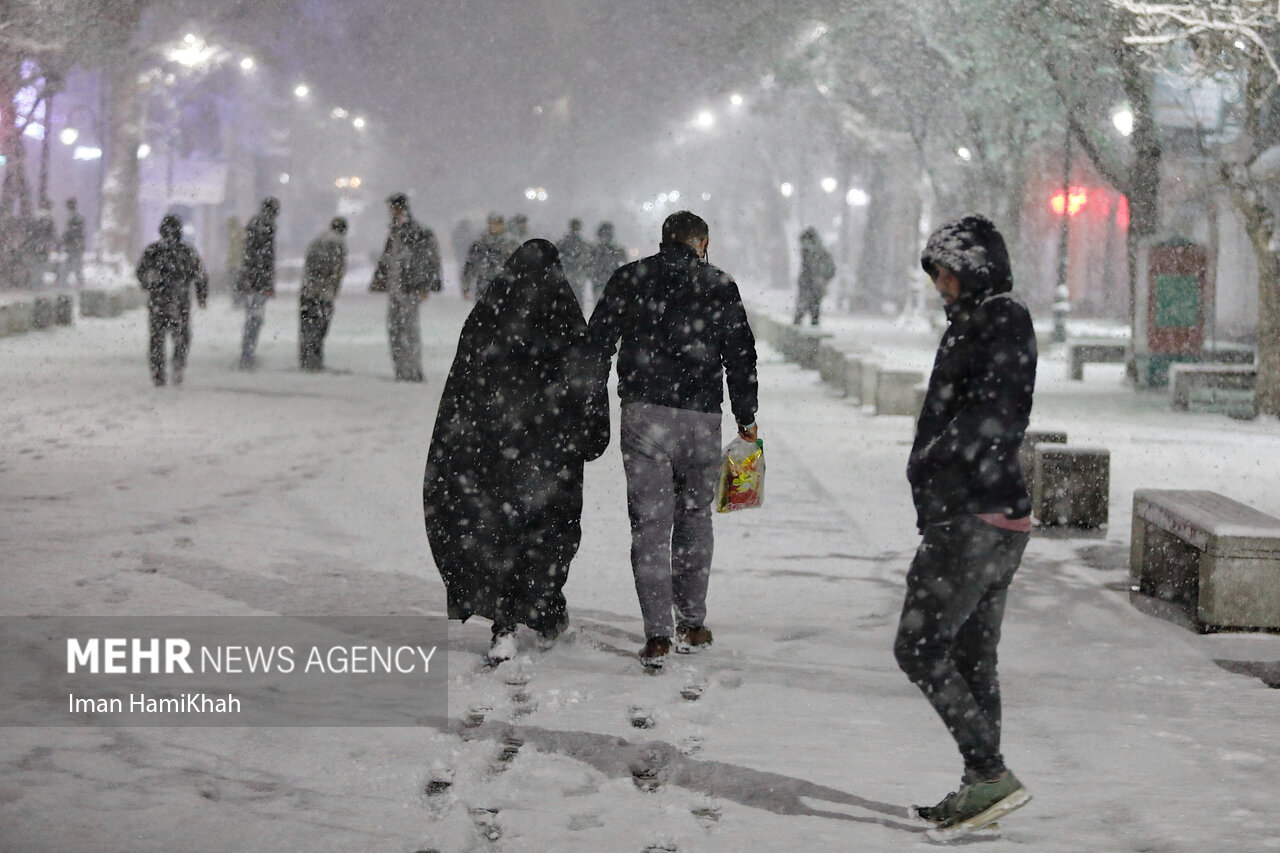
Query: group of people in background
[(46, 253), (408, 270)]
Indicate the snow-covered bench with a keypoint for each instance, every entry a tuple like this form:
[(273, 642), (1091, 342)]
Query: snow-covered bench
[(1083, 352), (1214, 556), (1071, 485), (1193, 380), (895, 392)]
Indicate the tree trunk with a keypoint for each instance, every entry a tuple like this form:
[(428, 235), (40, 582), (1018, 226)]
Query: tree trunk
[(120, 208), (1260, 225)]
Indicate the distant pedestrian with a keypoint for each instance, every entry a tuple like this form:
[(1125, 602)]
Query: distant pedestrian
[(257, 280), (460, 240), (519, 228), (42, 240), (575, 257), (408, 271), (486, 256), (322, 273), (72, 246), (973, 511), (606, 257), (683, 330), (169, 269), (816, 271), (525, 405)]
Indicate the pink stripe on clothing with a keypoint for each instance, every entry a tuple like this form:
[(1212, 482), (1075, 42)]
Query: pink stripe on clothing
[(995, 519)]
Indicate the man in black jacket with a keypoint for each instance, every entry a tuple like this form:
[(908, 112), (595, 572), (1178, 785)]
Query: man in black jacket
[(408, 272), (169, 268), (683, 328), (973, 510)]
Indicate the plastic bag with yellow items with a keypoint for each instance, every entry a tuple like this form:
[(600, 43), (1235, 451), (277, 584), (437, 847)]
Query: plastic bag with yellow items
[(741, 481)]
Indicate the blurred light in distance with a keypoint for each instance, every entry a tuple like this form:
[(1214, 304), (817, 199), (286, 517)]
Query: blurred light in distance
[(705, 119), (358, 123), (144, 151), (1072, 202), (828, 185), (964, 153), (1123, 121), (301, 91), (786, 189), (856, 197), (69, 135), (736, 99), (86, 152)]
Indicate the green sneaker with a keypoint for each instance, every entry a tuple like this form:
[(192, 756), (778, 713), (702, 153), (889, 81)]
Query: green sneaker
[(979, 804), (935, 814)]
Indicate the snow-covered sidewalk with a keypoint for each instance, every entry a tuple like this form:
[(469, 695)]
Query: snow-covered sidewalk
[(279, 491)]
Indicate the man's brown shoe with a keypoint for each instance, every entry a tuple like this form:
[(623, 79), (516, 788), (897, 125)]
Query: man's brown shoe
[(692, 640), (655, 651)]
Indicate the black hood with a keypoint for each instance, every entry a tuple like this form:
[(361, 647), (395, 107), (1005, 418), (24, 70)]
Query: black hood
[(973, 249)]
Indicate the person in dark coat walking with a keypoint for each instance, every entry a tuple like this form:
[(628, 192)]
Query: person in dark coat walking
[(575, 257), (322, 273), (684, 333), (408, 272), (487, 256), (524, 406), (816, 271), (169, 268), (972, 509), (257, 280), (72, 246), (606, 257)]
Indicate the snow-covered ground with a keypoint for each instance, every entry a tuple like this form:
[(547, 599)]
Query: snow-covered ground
[(278, 491)]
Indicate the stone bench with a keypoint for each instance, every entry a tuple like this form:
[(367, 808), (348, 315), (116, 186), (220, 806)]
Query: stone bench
[(1098, 352), (64, 310), (16, 317), (1215, 557), (1185, 380), (802, 345), (1027, 452), (895, 392), (1072, 485)]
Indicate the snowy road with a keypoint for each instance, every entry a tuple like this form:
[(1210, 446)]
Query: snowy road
[(278, 491)]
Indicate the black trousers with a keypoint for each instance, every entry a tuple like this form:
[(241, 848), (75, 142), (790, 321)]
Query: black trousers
[(314, 317), (165, 320), (950, 627)]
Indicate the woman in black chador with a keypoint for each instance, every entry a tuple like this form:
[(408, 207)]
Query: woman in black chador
[(523, 408)]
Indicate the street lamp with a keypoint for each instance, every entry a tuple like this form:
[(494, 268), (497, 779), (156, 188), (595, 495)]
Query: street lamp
[(786, 189), (1122, 119), (828, 185)]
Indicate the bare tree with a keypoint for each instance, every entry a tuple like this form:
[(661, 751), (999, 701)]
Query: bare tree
[(1234, 42)]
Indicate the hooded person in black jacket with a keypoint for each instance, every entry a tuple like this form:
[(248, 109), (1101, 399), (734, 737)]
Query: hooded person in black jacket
[(683, 330), (523, 408), (168, 270), (973, 510)]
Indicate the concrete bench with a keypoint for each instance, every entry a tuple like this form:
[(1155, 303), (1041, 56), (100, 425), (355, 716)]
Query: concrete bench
[(1187, 379), (1216, 557), (1103, 352), (16, 317), (42, 312), (1072, 485), (1027, 452), (801, 345), (895, 392), (64, 310)]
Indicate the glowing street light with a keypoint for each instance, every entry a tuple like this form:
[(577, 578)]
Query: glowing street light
[(674, 195), (1123, 120), (856, 197), (144, 151), (338, 112), (705, 119), (247, 64), (736, 99), (301, 91), (706, 196), (358, 123), (531, 193), (786, 189), (828, 185), (284, 177), (86, 152), (69, 135), (964, 154)]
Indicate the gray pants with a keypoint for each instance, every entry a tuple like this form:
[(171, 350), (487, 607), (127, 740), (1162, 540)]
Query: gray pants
[(406, 345), (671, 458)]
